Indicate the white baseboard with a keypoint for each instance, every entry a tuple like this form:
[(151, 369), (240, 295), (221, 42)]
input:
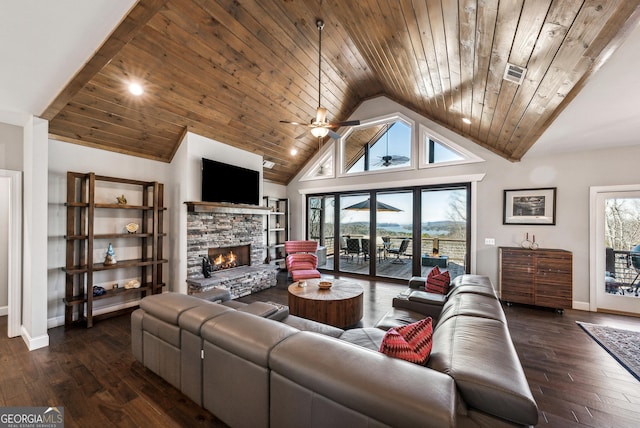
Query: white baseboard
[(4, 310), (34, 343), (580, 306)]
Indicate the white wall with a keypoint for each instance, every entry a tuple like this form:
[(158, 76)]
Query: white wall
[(11, 147), (571, 173), (10, 159), (5, 189)]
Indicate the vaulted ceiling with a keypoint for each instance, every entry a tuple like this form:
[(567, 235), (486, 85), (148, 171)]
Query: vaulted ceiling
[(230, 70)]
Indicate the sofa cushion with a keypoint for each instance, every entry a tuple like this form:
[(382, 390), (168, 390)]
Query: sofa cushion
[(479, 355), (411, 342), (168, 306), (370, 338), (311, 325), (472, 304), (397, 317), (438, 282)]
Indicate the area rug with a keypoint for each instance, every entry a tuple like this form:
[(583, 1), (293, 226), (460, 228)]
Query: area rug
[(623, 345)]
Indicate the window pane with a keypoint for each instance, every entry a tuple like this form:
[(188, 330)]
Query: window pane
[(320, 228), (378, 147), (394, 228), (444, 230), (354, 233)]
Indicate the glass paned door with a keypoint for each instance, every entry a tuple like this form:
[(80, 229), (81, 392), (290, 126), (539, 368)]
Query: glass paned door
[(618, 243), (394, 234), (320, 228), (354, 233), (443, 229)]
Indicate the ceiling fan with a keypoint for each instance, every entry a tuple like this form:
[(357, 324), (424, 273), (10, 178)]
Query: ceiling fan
[(387, 159), (319, 125)]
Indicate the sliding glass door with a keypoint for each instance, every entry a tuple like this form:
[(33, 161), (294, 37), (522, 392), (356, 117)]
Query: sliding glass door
[(320, 227), (354, 233), (392, 233), (444, 230)]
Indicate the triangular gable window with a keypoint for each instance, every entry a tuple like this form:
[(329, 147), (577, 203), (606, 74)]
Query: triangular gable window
[(436, 150), (322, 168)]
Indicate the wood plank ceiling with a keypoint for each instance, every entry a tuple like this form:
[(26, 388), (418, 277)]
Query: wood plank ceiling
[(230, 70)]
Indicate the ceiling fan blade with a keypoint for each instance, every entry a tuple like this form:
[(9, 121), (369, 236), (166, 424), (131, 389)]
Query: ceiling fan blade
[(347, 123), (301, 135), (293, 123), (334, 135)]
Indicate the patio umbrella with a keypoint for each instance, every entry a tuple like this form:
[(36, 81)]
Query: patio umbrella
[(366, 206)]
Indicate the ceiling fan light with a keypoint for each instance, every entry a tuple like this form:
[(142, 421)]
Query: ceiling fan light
[(321, 115), (319, 132)]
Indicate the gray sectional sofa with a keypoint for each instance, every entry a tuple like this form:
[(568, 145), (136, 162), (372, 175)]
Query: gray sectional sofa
[(257, 366)]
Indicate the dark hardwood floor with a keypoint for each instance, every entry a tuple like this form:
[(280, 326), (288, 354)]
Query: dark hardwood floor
[(92, 374)]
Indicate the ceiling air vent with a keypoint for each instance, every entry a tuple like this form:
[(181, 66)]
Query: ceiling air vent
[(514, 73), (268, 164)]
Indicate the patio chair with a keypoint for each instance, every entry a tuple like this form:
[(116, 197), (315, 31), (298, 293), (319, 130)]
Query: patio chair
[(399, 251), (353, 247), (301, 260), (365, 248)]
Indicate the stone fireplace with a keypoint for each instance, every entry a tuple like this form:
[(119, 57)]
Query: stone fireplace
[(215, 231)]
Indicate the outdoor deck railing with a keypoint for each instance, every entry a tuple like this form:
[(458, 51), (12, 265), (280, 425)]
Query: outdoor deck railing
[(623, 270), (455, 249)]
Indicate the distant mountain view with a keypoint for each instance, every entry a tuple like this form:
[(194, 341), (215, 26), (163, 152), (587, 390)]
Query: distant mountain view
[(434, 228)]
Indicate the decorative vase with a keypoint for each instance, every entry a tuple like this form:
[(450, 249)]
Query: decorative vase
[(110, 258)]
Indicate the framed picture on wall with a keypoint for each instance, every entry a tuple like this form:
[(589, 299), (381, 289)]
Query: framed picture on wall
[(530, 206)]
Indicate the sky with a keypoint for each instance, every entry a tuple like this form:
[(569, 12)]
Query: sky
[(435, 207)]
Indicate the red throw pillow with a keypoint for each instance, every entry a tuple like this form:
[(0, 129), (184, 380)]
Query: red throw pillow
[(410, 342), (438, 282)]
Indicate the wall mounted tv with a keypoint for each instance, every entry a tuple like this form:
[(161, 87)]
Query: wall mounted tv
[(222, 182)]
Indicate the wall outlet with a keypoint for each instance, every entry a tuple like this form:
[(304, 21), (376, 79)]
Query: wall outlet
[(489, 241)]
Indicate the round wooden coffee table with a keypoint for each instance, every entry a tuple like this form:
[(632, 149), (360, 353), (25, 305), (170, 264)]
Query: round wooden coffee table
[(340, 306)]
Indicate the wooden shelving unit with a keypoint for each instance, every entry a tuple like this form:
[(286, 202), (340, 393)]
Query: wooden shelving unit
[(84, 234), (277, 229)]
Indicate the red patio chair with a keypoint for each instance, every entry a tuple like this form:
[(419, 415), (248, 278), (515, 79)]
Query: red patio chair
[(301, 260)]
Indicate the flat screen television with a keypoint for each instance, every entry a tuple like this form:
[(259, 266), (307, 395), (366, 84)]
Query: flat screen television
[(222, 182)]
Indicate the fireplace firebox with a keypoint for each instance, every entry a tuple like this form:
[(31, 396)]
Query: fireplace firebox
[(221, 258)]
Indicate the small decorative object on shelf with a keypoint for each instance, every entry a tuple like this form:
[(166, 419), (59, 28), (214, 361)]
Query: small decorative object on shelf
[(110, 258), (134, 283), (98, 291), (132, 227), (122, 200), (529, 244)]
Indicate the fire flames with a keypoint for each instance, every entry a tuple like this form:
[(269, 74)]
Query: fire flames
[(225, 261)]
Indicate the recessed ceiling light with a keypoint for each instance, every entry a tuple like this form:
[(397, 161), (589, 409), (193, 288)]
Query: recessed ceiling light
[(294, 152), (467, 121), (136, 89)]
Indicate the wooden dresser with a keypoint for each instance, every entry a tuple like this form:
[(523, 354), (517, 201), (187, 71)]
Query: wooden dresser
[(542, 277)]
